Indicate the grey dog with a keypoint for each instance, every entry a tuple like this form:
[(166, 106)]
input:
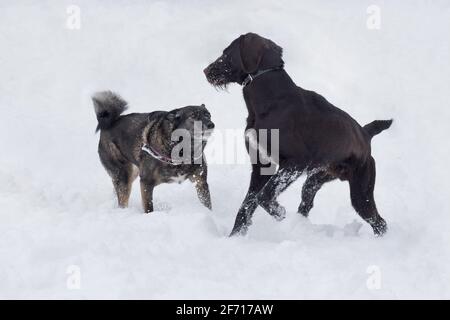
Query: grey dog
[(141, 144)]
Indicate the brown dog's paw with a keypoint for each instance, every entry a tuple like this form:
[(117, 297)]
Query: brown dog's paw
[(304, 209), (379, 227)]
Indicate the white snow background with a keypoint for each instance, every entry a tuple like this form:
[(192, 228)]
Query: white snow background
[(57, 207)]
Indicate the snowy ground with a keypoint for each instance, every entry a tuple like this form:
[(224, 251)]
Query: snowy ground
[(56, 203)]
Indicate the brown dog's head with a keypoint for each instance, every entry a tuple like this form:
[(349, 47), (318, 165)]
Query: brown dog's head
[(246, 55)]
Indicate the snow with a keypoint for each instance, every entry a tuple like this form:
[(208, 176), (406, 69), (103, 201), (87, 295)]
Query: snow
[(57, 207)]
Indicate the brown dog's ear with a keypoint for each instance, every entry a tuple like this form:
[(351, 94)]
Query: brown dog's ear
[(259, 53), (251, 48)]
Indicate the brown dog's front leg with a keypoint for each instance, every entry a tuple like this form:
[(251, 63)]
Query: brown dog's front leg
[(312, 185), (249, 205), (147, 195)]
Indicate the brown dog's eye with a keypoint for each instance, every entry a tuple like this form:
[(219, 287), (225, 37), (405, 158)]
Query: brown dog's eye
[(224, 56)]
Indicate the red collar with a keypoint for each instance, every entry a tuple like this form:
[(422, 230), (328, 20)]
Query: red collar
[(159, 156)]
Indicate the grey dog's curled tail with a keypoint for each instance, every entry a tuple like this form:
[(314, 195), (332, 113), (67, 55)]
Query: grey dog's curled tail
[(108, 107)]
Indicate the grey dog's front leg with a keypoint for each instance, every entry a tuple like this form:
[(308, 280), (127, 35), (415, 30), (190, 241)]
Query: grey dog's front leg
[(203, 194), (147, 195), (202, 187)]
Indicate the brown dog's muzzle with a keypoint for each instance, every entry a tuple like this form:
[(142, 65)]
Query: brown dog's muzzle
[(211, 73), (219, 72)]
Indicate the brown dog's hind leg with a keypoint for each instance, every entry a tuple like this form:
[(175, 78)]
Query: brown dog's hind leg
[(312, 185), (362, 184)]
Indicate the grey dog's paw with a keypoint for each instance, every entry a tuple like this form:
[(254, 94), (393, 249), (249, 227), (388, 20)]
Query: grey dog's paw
[(162, 206)]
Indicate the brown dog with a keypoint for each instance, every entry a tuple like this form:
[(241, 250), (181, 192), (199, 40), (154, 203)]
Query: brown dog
[(314, 135)]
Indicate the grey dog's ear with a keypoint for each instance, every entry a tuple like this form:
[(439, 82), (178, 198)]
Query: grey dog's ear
[(259, 53), (173, 115)]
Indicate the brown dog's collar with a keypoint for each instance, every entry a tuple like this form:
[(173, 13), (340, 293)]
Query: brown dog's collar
[(250, 77)]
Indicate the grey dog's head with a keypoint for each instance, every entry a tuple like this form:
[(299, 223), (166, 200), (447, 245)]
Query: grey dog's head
[(245, 55), (192, 121)]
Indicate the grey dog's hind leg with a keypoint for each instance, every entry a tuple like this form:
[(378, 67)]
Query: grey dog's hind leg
[(122, 180), (122, 172)]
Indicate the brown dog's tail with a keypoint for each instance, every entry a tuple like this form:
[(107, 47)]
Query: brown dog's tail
[(108, 106), (377, 126)]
